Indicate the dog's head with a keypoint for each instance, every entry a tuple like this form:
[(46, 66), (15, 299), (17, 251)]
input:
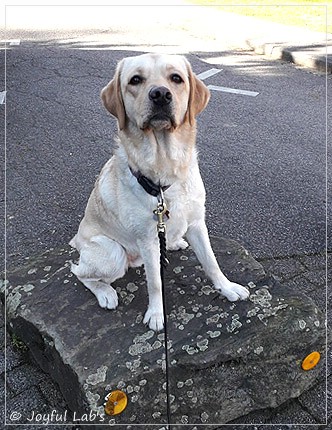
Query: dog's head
[(155, 91)]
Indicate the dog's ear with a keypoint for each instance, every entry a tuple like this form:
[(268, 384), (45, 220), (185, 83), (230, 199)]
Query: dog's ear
[(112, 98), (198, 98)]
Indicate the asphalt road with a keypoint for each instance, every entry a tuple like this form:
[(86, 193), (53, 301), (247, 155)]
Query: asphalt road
[(263, 159)]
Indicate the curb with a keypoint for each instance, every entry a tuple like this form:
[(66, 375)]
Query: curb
[(317, 57)]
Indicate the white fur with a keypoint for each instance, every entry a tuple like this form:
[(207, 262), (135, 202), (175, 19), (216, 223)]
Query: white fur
[(119, 230)]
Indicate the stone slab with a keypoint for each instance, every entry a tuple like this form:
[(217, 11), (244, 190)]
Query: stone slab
[(225, 359)]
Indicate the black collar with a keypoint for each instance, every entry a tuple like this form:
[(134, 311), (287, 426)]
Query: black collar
[(149, 186)]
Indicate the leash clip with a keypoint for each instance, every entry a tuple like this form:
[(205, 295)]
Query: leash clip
[(161, 211)]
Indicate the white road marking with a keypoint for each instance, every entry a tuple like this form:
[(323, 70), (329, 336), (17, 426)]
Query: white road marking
[(233, 90), (14, 42), (2, 97), (208, 73)]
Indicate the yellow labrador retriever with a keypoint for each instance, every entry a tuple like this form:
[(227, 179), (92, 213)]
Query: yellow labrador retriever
[(155, 99)]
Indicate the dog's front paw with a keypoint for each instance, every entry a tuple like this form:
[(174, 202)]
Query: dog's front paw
[(107, 296), (154, 318), (234, 292), (176, 246)]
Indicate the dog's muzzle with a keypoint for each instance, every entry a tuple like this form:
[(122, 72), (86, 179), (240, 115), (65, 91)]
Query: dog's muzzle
[(161, 109)]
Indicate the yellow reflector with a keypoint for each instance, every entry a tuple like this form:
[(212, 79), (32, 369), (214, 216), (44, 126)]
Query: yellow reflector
[(116, 402), (311, 360)]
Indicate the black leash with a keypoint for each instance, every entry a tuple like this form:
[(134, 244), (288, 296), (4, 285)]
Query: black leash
[(157, 190), (161, 227)]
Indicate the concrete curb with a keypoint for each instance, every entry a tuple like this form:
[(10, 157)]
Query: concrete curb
[(301, 46), (315, 57)]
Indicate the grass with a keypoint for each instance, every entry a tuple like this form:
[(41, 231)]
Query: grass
[(309, 14), (18, 343)]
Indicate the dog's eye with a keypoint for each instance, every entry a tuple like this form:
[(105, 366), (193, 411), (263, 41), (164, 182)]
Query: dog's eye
[(176, 78), (136, 80)]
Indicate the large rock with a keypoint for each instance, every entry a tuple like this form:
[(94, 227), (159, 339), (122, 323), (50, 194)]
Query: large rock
[(225, 359)]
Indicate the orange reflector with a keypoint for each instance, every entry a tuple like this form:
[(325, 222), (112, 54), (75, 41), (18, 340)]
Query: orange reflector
[(116, 402), (311, 360)]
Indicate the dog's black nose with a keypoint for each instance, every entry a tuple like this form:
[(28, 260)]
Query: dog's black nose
[(160, 96)]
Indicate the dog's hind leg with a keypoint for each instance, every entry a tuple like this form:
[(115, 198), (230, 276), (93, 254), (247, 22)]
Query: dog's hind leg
[(106, 295), (102, 261)]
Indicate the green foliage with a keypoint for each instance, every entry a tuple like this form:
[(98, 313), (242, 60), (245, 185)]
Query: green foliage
[(18, 343), (310, 14)]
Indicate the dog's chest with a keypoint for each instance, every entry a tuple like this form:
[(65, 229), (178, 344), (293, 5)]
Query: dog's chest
[(177, 216)]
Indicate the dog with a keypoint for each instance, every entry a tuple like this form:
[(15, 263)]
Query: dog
[(155, 99)]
